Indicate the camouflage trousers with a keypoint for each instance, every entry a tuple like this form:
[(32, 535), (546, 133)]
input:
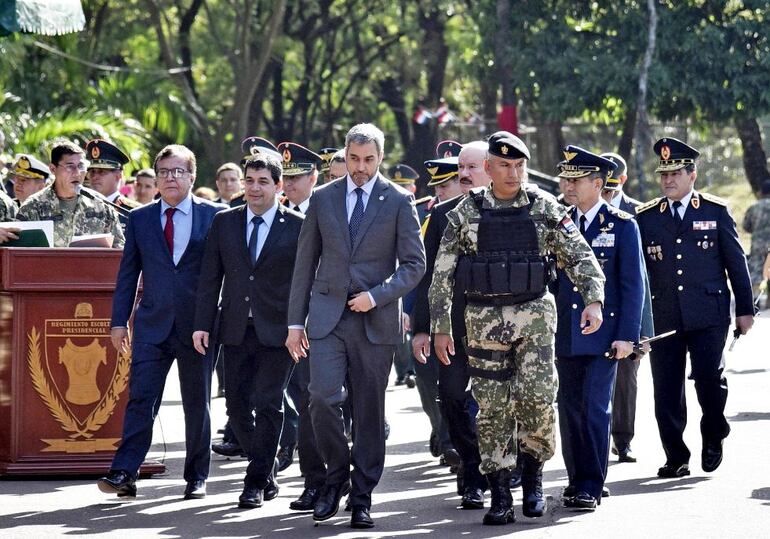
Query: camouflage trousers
[(522, 387)]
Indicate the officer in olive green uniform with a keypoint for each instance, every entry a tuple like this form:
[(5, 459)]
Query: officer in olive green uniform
[(500, 244), (73, 213)]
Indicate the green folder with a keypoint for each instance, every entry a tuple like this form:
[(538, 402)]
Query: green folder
[(28, 238)]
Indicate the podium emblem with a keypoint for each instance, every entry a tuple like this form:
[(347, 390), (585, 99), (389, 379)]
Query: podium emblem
[(79, 377)]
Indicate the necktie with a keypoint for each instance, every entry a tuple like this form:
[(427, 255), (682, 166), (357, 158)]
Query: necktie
[(256, 221), (296, 209), (676, 205), (583, 224), (168, 230), (357, 216)]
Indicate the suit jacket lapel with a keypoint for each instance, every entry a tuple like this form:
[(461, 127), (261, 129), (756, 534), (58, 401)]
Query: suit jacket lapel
[(342, 209), (376, 200), (276, 230), (241, 241), (196, 230)]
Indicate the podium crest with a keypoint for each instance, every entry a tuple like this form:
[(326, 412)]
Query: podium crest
[(79, 377)]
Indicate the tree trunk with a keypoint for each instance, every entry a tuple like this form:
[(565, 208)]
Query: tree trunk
[(754, 157), (549, 143), (643, 122)]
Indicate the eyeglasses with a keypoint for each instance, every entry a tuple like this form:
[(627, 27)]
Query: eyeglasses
[(72, 167), (176, 173)]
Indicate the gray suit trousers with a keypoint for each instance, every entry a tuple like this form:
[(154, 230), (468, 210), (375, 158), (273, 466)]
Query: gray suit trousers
[(346, 350)]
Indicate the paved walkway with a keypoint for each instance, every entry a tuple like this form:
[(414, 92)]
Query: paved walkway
[(416, 496)]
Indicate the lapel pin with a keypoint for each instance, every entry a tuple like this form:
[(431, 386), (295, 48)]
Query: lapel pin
[(281, 220), (382, 197)]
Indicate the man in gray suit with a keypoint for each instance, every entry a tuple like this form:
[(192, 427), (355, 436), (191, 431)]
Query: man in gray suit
[(359, 253)]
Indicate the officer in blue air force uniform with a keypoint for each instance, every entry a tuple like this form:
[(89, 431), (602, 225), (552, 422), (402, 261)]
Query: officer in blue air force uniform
[(586, 376), (691, 247)]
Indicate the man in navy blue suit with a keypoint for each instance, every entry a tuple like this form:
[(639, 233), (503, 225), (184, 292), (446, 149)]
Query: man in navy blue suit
[(691, 247), (586, 376), (165, 242)]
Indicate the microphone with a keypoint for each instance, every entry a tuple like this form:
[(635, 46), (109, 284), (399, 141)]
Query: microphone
[(98, 196)]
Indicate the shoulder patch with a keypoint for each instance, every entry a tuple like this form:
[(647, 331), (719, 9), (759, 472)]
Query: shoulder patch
[(647, 205), (423, 200), (619, 213), (713, 198)]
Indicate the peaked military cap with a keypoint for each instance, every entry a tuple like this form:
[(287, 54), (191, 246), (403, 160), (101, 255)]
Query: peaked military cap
[(674, 154), (403, 174), (326, 155), (612, 183), (102, 154), (448, 148), (507, 145), (27, 166), (441, 170), (297, 160), (253, 146), (579, 163)]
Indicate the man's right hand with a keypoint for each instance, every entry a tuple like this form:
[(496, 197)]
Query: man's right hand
[(200, 341), (119, 338), (421, 347), (8, 234), (444, 346), (297, 344)]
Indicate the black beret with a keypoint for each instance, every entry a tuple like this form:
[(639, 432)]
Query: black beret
[(507, 145)]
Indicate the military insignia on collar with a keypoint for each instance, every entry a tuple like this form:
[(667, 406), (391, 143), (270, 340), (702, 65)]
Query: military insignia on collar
[(504, 149), (665, 152), (695, 201), (95, 152), (601, 218), (286, 156), (569, 155), (663, 206)]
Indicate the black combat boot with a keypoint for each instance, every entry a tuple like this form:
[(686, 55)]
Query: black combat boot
[(534, 504), (501, 509)]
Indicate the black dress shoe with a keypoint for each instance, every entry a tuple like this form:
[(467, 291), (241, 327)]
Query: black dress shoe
[(674, 470), (450, 458), (473, 498), (306, 500), (581, 501), (361, 518), (271, 490), (711, 455), (118, 482), (569, 492), (329, 502), (626, 455), (228, 449), (251, 498), (195, 490), (411, 381), (285, 457)]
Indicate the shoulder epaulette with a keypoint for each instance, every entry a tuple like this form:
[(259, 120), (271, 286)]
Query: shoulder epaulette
[(647, 205), (713, 198), (619, 213), (423, 200)]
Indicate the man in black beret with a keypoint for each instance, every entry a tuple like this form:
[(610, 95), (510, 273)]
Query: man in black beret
[(498, 246)]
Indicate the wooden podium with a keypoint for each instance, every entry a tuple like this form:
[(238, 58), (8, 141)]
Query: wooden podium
[(63, 387)]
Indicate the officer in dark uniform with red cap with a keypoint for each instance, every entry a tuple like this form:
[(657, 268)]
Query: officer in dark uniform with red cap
[(691, 248)]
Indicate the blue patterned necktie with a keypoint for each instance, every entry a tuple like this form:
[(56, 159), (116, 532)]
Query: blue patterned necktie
[(357, 216), (583, 224), (256, 221)]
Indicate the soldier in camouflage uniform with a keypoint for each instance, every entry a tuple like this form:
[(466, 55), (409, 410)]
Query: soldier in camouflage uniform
[(510, 315), (72, 212), (757, 223)]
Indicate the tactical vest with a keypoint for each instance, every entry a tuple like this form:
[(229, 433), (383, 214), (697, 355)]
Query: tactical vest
[(507, 267)]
